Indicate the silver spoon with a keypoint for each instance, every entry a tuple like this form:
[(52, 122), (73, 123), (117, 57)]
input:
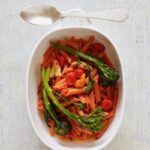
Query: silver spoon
[(47, 14)]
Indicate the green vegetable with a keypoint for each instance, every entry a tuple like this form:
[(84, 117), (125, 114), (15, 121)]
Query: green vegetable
[(48, 71), (46, 117), (109, 75), (92, 122), (63, 127), (80, 105), (90, 84), (86, 65)]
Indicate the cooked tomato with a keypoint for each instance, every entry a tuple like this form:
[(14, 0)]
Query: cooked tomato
[(106, 105), (100, 47), (62, 60), (78, 73), (97, 48), (70, 78)]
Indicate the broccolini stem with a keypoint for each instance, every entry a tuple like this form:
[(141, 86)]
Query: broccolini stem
[(55, 101), (109, 75), (63, 127), (49, 107), (48, 71)]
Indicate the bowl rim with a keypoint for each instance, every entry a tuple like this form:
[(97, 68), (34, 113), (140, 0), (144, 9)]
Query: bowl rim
[(121, 70)]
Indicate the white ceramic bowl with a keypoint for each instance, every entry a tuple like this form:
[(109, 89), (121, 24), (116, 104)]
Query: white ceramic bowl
[(33, 75)]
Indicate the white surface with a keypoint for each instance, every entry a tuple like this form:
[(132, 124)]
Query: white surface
[(17, 40)]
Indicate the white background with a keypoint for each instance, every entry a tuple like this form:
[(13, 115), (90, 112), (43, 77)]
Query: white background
[(17, 40)]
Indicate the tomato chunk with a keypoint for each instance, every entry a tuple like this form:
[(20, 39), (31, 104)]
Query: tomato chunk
[(78, 73), (100, 47), (97, 48), (106, 105), (62, 60), (70, 78)]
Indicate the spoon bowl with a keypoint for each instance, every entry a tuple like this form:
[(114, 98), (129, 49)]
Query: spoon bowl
[(40, 14)]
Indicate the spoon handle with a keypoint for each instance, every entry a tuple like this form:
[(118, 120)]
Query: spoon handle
[(117, 15)]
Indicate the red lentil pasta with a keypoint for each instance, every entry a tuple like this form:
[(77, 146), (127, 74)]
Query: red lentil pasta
[(70, 79)]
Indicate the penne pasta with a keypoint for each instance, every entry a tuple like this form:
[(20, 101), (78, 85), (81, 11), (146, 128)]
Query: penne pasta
[(66, 69), (88, 43), (96, 77), (103, 96), (109, 92), (92, 100), (72, 91), (109, 115), (97, 93), (76, 84), (82, 99), (72, 44), (41, 105), (68, 58), (94, 71)]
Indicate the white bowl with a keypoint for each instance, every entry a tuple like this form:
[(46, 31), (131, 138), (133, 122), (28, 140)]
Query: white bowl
[(33, 75)]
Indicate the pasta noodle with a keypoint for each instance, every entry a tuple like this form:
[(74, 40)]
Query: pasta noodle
[(82, 90), (97, 93)]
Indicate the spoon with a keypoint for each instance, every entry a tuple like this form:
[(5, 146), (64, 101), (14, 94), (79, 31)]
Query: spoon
[(47, 14)]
